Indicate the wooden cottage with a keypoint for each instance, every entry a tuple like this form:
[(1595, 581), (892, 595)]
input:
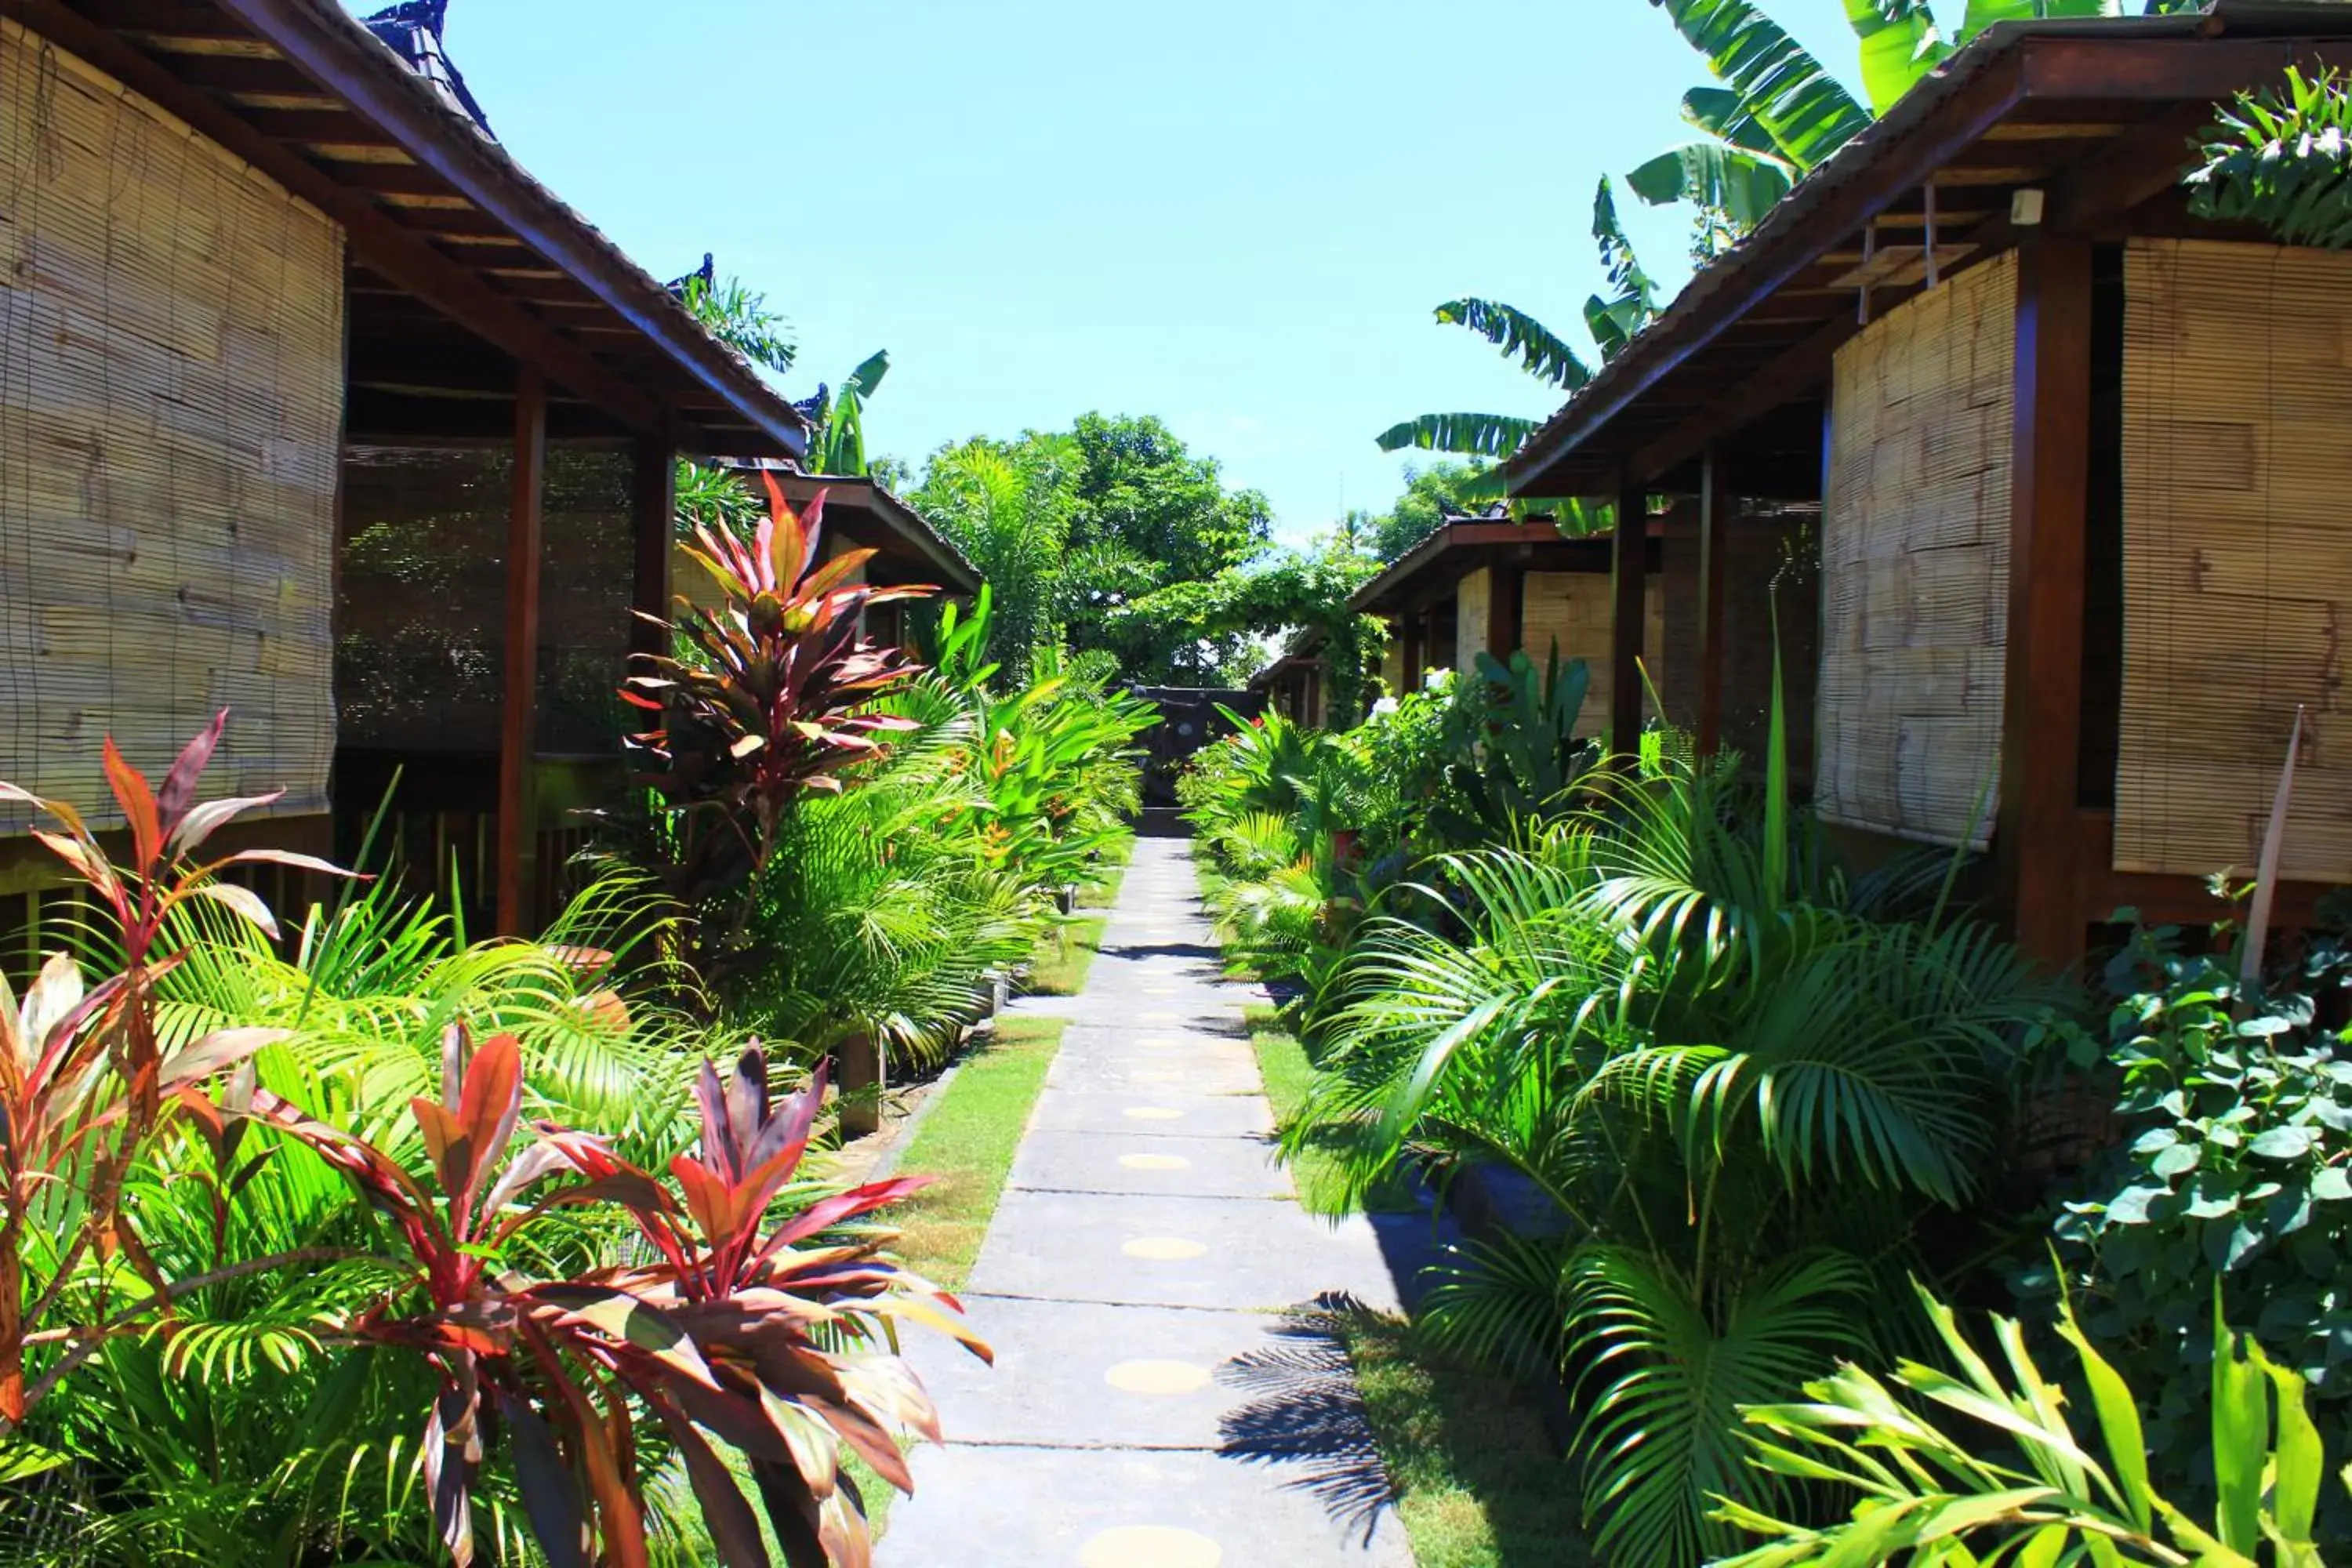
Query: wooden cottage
[(2049, 471), (1490, 585), (1296, 685), (316, 407)]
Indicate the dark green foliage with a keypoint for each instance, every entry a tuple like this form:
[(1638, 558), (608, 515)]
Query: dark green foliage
[(1515, 755), (2232, 1165), (2283, 158)]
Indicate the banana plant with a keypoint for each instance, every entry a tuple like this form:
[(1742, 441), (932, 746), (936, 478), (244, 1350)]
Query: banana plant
[(1612, 318), (1936, 1499), (840, 419), (1780, 113)]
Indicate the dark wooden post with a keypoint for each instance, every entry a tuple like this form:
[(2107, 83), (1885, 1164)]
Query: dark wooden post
[(1507, 611), (653, 505), (518, 848), (1714, 516), (1410, 681), (2035, 837), (1628, 616)]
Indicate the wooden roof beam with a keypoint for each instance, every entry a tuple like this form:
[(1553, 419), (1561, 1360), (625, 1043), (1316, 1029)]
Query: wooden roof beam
[(339, 54)]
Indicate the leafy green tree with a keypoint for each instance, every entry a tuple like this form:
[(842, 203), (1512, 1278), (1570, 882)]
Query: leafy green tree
[(1429, 495), (1146, 514), (1007, 505), (1289, 592)]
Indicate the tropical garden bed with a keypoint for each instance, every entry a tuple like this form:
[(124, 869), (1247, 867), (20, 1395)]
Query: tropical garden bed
[(596, 1303), (1739, 1099)]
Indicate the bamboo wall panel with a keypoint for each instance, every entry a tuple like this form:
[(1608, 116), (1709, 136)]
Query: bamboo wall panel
[(1474, 601), (1570, 610), (1914, 564), (2237, 557), (171, 396)]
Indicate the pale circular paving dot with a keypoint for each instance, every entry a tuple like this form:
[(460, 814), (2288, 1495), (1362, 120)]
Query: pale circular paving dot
[(1165, 1248), (1151, 1546), (1155, 1161), (1165, 1377), (1152, 1113)]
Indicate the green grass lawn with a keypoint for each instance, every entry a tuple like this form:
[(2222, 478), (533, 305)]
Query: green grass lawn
[(967, 1141), (1289, 1076), (1477, 1483), (1065, 956)]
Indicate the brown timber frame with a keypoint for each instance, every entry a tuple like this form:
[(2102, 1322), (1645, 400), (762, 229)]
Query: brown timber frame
[(2050, 139)]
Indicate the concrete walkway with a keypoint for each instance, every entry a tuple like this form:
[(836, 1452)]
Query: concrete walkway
[(1165, 1393)]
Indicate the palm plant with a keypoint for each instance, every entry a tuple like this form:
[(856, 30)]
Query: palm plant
[(2278, 157), (880, 915), (1738, 1095), (1009, 511)]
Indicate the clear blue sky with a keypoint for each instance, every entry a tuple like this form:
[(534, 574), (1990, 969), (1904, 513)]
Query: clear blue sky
[(1234, 214)]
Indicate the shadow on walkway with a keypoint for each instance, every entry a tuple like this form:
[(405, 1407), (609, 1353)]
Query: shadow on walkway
[(1306, 1412)]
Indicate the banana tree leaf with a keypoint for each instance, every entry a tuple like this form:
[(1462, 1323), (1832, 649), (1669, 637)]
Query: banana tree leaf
[(1900, 44), (1742, 186), (867, 379), (1783, 91), (1542, 352), (1465, 435), (1717, 110)]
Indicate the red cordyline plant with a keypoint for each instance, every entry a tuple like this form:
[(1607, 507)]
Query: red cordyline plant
[(771, 692), (84, 1082), (778, 1340)]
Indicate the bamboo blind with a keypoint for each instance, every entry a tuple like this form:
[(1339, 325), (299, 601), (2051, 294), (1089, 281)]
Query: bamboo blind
[(1914, 564), (171, 393), (2237, 557), (1570, 610)]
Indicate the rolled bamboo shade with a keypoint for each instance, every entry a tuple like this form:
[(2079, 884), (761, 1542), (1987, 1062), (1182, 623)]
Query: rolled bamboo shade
[(2237, 555), (170, 397), (1914, 564)]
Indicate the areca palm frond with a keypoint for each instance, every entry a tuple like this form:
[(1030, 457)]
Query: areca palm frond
[(372, 984), (1669, 1369), (1464, 435), (1542, 352)]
